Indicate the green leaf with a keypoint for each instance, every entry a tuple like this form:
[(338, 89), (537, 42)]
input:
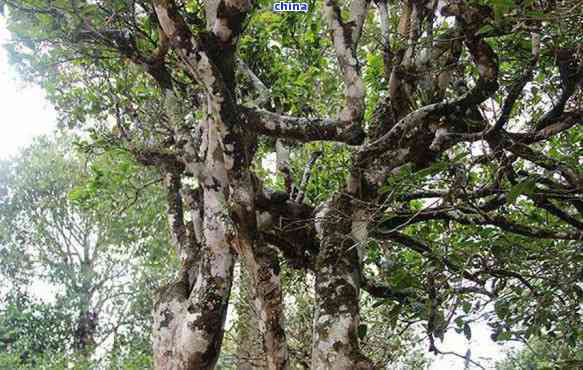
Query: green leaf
[(501, 7), (501, 309), (362, 330), (526, 187), (503, 336)]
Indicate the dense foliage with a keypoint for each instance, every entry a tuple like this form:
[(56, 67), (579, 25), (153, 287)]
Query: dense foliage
[(415, 163), (31, 330)]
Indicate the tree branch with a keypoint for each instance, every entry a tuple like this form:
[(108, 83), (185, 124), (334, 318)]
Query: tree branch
[(307, 174), (303, 129)]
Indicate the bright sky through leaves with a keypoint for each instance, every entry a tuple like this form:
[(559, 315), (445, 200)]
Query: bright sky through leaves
[(25, 113)]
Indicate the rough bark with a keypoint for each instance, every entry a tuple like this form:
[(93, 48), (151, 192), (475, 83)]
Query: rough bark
[(189, 320), (337, 290), (335, 343), (229, 222), (263, 264), (421, 115), (189, 315)]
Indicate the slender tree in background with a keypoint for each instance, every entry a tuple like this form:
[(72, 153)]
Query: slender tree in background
[(428, 154), (52, 240)]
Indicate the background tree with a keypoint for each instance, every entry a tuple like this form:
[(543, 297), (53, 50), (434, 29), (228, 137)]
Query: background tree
[(543, 353), (61, 234), (444, 157)]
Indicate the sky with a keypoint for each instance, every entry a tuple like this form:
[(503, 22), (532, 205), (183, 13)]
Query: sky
[(26, 113)]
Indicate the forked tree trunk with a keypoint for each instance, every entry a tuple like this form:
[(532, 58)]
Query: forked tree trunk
[(189, 315), (189, 325)]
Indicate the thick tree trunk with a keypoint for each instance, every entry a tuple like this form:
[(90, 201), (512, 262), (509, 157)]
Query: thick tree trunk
[(222, 164), (88, 319), (189, 317), (337, 292), (264, 266), (188, 329)]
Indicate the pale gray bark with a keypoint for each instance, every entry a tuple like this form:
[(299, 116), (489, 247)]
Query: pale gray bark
[(190, 337), (189, 315), (335, 343), (263, 264), (189, 319)]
